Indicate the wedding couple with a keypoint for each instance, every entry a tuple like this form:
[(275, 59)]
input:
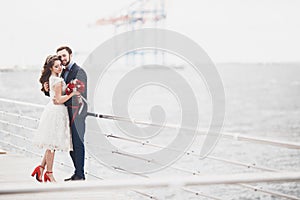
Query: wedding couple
[(62, 125)]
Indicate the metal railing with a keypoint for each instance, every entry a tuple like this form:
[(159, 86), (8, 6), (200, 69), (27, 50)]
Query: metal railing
[(147, 182)]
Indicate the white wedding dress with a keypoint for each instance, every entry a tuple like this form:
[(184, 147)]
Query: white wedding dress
[(54, 129)]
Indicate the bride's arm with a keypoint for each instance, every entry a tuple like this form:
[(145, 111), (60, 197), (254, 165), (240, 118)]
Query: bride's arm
[(59, 98)]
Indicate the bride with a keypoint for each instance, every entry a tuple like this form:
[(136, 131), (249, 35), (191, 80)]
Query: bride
[(53, 132)]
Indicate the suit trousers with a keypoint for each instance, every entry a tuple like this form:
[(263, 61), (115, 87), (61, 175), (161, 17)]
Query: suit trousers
[(78, 153)]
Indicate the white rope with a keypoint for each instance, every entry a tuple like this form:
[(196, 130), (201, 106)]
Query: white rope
[(17, 136), (18, 116), (184, 170), (153, 145), (145, 194), (186, 189), (21, 103), (157, 146), (225, 135), (200, 193), (147, 143), (197, 173), (235, 136), (63, 164), (269, 191), (262, 140), (197, 193), (17, 125), (144, 176), (241, 163)]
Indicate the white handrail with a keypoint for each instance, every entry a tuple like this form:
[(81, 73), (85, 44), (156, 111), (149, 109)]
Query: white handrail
[(157, 182)]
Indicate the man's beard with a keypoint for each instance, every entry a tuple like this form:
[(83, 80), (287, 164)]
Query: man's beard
[(67, 63)]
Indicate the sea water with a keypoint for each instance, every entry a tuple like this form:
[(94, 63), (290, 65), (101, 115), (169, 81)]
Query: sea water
[(260, 100)]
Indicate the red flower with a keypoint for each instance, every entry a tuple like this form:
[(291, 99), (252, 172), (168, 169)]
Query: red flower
[(75, 85)]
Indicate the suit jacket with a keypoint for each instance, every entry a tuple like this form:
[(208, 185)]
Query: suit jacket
[(77, 72)]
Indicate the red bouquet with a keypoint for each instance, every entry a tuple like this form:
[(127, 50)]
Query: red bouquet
[(75, 85)]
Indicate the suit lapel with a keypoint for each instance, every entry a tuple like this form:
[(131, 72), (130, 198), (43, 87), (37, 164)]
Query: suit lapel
[(63, 73), (72, 73)]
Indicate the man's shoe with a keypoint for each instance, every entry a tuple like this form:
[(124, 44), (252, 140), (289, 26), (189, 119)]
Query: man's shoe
[(75, 178), (69, 179)]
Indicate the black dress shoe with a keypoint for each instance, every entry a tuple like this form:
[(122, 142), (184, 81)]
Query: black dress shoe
[(75, 178)]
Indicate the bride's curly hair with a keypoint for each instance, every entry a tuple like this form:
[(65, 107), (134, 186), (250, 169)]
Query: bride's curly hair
[(46, 72)]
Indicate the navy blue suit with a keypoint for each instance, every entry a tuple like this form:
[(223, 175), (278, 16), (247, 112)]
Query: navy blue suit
[(78, 125)]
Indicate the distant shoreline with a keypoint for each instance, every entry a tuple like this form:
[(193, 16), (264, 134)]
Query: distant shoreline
[(37, 68)]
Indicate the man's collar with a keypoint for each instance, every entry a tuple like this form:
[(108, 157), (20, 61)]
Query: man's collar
[(70, 65)]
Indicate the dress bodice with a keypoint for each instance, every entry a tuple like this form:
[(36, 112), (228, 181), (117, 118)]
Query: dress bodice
[(53, 80)]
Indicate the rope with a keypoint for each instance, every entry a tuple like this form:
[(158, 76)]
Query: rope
[(235, 136), (21, 103), (110, 117), (279, 194), (16, 125), (147, 143), (36, 154), (19, 116), (197, 193), (200, 193)]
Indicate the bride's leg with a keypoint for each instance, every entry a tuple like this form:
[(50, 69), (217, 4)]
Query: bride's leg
[(49, 165), (38, 171), (43, 164)]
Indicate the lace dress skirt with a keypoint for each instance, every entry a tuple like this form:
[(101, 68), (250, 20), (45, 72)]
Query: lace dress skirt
[(53, 131)]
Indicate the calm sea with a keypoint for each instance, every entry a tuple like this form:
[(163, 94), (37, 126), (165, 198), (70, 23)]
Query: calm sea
[(261, 100)]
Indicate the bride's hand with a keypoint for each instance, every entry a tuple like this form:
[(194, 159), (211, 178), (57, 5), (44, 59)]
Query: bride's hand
[(55, 101)]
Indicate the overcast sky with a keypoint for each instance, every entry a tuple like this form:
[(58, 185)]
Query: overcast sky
[(229, 30)]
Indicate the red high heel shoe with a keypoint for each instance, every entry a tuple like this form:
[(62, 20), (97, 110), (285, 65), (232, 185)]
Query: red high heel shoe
[(37, 173), (47, 178)]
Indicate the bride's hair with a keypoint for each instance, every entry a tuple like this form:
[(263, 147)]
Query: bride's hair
[(46, 72)]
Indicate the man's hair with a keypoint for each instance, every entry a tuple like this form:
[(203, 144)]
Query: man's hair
[(68, 49)]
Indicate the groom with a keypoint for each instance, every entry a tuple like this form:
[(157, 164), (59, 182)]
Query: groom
[(77, 120)]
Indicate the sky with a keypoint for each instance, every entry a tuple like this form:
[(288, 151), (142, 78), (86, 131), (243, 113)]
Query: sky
[(228, 30)]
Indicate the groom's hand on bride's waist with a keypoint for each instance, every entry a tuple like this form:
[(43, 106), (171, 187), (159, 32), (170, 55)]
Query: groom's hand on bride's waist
[(46, 86)]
